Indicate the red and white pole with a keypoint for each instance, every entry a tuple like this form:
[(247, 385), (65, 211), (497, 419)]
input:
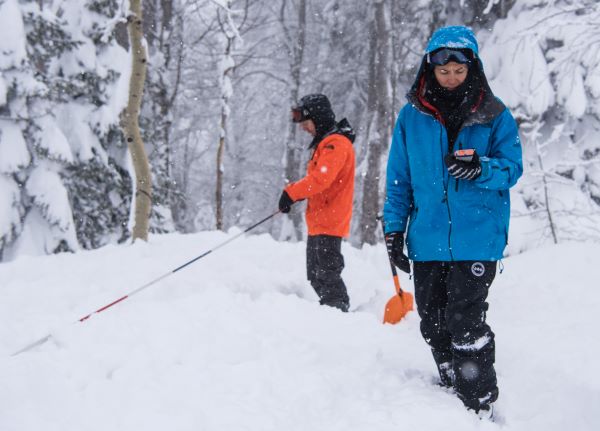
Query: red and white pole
[(145, 286)]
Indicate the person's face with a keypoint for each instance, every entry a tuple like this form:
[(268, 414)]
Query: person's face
[(451, 75), (309, 127)]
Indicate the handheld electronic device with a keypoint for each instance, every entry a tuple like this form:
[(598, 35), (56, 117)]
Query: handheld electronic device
[(464, 155)]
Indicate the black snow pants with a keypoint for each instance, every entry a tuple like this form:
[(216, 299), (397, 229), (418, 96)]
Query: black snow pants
[(324, 264), (451, 301)]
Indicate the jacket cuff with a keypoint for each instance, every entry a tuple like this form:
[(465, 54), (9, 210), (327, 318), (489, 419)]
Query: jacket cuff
[(485, 170), (290, 192), (394, 226)]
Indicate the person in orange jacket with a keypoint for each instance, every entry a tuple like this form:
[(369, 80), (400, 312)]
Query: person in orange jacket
[(329, 188)]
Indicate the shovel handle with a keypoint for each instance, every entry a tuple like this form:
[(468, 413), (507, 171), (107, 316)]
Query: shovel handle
[(399, 290)]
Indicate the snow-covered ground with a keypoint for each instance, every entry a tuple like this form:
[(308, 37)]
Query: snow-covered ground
[(237, 341)]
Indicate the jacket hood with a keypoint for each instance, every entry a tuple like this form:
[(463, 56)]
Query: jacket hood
[(342, 127), (316, 107), (456, 37)]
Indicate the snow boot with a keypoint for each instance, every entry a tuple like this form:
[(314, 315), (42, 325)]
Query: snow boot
[(446, 374), (443, 361), (486, 412)]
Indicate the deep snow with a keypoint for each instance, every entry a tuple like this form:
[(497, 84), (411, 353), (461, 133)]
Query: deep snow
[(237, 341)]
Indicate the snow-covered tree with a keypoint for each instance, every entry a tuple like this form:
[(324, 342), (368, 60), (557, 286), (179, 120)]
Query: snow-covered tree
[(14, 152), (95, 76), (543, 60), (33, 149), (64, 179)]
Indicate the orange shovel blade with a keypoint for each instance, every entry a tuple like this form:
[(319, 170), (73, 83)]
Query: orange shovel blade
[(397, 307)]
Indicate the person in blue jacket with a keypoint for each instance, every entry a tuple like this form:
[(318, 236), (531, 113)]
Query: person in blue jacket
[(455, 153)]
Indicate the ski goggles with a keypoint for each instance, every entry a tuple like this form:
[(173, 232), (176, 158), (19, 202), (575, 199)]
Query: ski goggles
[(444, 56), (299, 115)]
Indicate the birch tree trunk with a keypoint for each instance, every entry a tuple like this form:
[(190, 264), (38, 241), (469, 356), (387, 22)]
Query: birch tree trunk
[(221, 146), (130, 124), (293, 156), (231, 32), (380, 124)]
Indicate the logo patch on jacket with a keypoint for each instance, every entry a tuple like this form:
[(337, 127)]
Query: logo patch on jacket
[(478, 269)]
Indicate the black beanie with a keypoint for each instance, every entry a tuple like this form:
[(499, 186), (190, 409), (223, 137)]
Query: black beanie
[(316, 107)]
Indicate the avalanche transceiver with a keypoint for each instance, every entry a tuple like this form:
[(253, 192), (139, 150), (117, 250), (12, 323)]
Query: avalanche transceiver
[(464, 155)]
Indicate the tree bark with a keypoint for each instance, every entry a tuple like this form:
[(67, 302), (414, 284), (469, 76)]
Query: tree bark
[(229, 30), (380, 105), (130, 124), (220, 149), (293, 157)]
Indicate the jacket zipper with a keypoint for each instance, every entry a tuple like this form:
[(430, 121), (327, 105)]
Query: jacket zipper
[(505, 230), (445, 200)]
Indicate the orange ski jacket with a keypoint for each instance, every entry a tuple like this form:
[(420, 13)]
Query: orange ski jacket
[(328, 186)]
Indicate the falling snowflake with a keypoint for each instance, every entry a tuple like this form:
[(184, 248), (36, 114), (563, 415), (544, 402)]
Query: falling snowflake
[(469, 370)]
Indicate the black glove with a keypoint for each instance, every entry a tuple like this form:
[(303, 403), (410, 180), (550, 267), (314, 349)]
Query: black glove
[(394, 241), (285, 202), (461, 169)]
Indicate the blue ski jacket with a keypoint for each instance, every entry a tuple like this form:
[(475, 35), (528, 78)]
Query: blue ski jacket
[(450, 219)]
